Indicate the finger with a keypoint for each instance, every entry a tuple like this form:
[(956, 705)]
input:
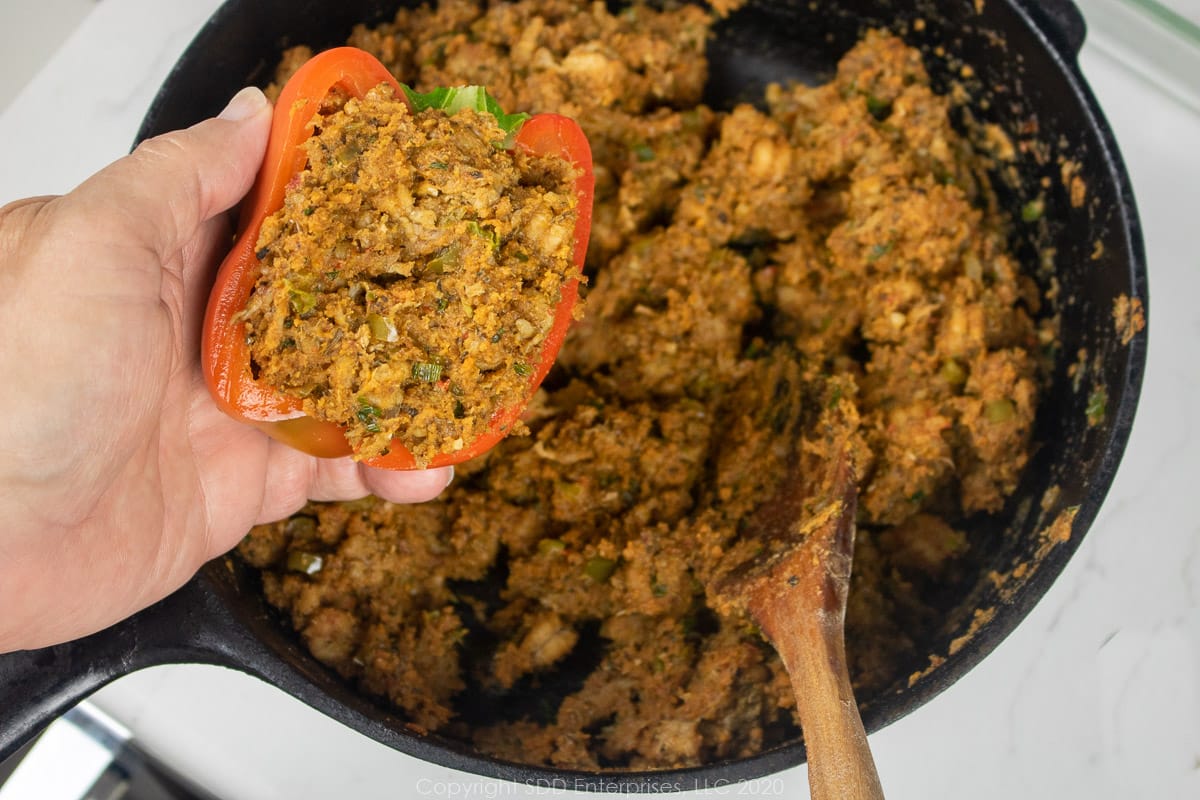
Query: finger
[(172, 183), (234, 469), (201, 257), (293, 478), (346, 479), (407, 486), (285, 482), (336, 479), (26, 205)]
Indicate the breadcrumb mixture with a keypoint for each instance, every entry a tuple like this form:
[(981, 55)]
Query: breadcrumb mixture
[(837, 245), (412, 274)]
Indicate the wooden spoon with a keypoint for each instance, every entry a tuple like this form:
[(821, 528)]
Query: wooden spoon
[(795, 588)]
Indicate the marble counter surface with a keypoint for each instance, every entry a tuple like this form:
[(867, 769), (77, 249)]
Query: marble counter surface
[(1096, 695)]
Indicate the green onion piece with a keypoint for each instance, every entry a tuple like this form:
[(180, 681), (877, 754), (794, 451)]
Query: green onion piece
[(1033, 210), (460, 411), (551, 546), (427, 371), (446, 258), (1001, 410), (522, 369), (953, 373), (877, 107), (644, 152), (756, 349), (308, 563), (942, 175), (438, 165), (368, 415), (348, 153), (568, 490), (300, 301), (1097, 406), (485, 231), (262, 253), (308, 212), (692, 119), (443, 303), (301, 527), (382, 328), (879, 251), (287, 343), (599, 568)]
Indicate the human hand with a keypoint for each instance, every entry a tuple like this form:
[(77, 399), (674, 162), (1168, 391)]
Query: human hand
[(119, 476)]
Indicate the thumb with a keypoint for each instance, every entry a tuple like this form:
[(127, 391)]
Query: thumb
[(171, 184)]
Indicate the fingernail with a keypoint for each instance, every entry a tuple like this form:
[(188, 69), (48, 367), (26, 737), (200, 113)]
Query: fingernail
[(450, 479), (245, 104)]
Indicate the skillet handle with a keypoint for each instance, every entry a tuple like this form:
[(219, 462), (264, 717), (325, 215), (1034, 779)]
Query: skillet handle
[(1062, 23), (38, 686)]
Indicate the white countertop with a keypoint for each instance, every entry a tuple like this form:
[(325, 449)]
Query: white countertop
[(1096, 695)]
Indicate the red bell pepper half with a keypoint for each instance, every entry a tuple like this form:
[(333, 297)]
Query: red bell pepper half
[(225, 355)]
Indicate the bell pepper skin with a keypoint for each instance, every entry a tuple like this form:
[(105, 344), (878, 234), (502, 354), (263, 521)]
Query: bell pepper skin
[(225, 356)]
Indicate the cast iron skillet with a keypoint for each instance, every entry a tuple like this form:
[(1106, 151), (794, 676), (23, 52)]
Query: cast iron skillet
[(1023, 55)]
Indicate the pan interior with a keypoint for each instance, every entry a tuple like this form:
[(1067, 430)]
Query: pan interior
[(1015, 81)]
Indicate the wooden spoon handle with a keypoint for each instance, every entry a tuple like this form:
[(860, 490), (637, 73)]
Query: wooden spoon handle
[(840, 764), (797, 593), (812, 647)]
